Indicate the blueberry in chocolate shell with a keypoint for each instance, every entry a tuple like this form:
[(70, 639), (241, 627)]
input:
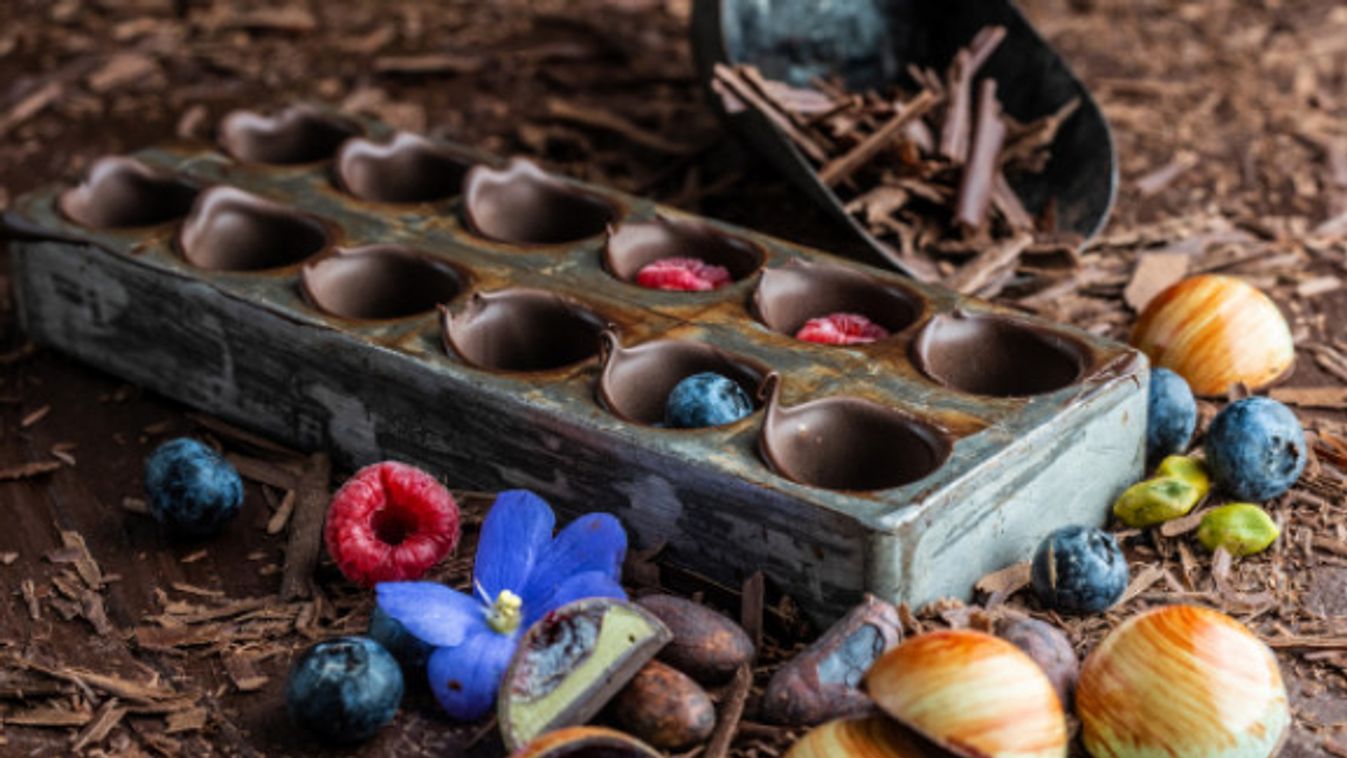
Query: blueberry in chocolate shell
[(1079, 569), (1171, 415), (706, 399), (1256, 449), (345, 689), (190, 489)]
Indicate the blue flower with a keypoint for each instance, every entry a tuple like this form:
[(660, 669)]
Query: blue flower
[(520, 575)]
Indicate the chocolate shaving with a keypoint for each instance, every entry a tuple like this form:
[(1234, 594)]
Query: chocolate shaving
[(727, 725), (983, 167), (954, 135), (306, 528), (840, 169)]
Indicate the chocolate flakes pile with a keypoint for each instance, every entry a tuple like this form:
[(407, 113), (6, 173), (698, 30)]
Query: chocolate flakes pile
[(929, 173)]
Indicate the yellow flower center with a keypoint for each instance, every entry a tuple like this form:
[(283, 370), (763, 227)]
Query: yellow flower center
[(504, 615)]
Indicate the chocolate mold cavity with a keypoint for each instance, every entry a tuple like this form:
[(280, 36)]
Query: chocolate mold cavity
[(522, 330), (636, 381), (791, 295), (523, 205), (123, 193), (633, 245), (232, 230), (848, 443), (379, 282), (997, 356), (298, 134), (407, 169)]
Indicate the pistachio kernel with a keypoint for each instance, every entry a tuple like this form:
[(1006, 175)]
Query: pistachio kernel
[(1156, 501), (1189, 469), (1241, 528)]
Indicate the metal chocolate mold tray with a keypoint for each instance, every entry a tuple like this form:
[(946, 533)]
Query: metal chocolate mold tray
[(393, 297)]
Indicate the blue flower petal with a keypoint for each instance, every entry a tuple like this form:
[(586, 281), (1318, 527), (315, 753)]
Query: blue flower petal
[(432, 612), (593, 542), (517, 528), (465, 678), (588, 584)]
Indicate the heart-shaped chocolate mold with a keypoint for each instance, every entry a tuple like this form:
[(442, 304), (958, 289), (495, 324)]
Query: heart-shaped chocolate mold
[(232, 230), (633, 245), (636, 381), (122, 193), (848, 443), (407, 169), (521, 204), (379, 282), (522, 330), (791, 295), (997, 356), (298, 134)]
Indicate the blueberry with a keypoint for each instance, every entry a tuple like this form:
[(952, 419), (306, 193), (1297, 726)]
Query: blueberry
[(706, 399), (1079, 569), (389, 632), (1171, 414), (191, 490), (1255, 449), (345, 689)]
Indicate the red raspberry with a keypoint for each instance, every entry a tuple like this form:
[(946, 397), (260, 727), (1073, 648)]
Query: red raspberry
[(390, 522), (682, 274), (841, 329)]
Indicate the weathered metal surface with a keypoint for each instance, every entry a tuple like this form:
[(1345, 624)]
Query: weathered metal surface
[(870, 44), (247, 347)]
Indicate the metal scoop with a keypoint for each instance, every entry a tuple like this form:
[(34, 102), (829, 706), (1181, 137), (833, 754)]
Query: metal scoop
[(871, 44)]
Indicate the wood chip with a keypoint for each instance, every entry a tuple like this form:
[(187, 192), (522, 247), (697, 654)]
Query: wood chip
[(189, 720), (28, 470), (1312, 397), (979, 272), (7, 558), (586, 115), (105, 719), (31, 105), (281, 475), (278, 521), (1157, 180), (85, 565), (1154, 273), (427, 64), (751, 606), (34, 417), (243, 673), (1143, 581), (1319, 285), (49, 716), (727, 725), (1000, 585), (121, 70)]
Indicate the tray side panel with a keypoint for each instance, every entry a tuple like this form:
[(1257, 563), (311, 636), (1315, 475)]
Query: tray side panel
[(318, 388), (1067, 472)]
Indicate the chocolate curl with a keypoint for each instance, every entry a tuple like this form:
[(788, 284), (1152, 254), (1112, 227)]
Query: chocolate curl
[(954, 134), (979, 175), (1007, 202), (840, 169), (742, 90)]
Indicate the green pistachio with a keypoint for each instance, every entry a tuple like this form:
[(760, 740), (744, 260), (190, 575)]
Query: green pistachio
[(1241, 528), (1156, 501), (1189, 469)]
